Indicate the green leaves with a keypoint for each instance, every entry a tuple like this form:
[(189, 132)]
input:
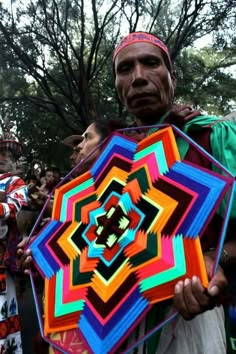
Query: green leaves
[(56, 61)]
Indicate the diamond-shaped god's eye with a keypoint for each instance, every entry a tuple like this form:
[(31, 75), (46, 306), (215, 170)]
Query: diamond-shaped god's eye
[(121, 236)]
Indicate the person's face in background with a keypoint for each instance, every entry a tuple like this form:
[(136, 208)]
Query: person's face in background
[(143, 82), (6, 161), (91, 139), (75, 157), (56, 176), (42, 180), (49, 177)]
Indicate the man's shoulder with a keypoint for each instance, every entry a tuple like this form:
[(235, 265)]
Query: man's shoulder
[(17, 180), (201, 121)]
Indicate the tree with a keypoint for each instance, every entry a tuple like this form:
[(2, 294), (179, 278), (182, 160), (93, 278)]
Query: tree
[(60, 59), (60, 52), (203, 80)]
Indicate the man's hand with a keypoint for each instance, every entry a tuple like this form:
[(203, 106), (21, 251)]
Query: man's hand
[(24, 259), (190, 298)]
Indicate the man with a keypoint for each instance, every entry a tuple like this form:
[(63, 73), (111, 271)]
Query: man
[(49, 181), (145, 82), (13, 195), (56, 175), (73, 141)]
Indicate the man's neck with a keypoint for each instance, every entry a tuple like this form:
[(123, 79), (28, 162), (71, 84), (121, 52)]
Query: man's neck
[(152, 120)]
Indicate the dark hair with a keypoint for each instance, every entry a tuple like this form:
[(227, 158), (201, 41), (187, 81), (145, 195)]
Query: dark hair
[(32, 177), (105, 127), (56, 169), (49, 169)]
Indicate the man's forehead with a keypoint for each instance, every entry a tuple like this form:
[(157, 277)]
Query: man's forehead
[(6, 153), (139, 49), (141, 37)]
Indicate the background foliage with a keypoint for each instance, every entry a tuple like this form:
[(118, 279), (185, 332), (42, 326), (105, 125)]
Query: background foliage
[(56, 61)]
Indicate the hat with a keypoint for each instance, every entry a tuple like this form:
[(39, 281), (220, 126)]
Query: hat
[(14, 146), (8, 140), (72, 140), (135, 37)]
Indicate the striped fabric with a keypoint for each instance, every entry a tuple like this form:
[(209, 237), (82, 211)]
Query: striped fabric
[(16, 195)]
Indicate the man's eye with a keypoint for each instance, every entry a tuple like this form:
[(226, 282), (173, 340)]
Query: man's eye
[(124, 68), (152, 62)]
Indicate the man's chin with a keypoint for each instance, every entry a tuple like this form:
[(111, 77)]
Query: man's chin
[(149, 116)]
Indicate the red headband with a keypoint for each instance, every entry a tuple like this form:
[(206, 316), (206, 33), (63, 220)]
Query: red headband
[(141, 37)]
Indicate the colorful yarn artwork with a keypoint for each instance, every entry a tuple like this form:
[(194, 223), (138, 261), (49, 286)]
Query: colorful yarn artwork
[(121, 236)]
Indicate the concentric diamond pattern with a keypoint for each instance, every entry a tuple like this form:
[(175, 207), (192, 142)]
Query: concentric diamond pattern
[(121, 236)]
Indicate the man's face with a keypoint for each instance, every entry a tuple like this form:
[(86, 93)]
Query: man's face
[(143, 82), (56, 176), (91, 139), (75, 157), (6, 161)]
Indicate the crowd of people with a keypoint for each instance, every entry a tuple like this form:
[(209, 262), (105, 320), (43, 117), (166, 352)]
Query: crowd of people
[(145, 82)]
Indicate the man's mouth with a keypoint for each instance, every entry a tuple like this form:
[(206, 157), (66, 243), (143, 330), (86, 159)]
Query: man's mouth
[(141, 96)]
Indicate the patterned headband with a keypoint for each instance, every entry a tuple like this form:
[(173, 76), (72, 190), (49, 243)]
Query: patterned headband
[(141, 37)]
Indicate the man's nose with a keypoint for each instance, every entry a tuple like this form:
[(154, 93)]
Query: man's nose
[(139, 75), (80, 145), (72, 156)]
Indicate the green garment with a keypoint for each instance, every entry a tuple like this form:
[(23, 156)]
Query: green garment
[(223, 144)]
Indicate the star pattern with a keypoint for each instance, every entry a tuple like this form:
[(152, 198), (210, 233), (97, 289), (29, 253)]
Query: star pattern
[(121, 236)]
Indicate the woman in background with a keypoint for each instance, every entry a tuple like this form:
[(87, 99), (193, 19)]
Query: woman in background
[(95, 133)]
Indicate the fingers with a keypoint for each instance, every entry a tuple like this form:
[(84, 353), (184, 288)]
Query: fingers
[(27, 264), (200, 294), (179, 302), (24, 259), (23, 243), (217, 284), (190, 298)]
